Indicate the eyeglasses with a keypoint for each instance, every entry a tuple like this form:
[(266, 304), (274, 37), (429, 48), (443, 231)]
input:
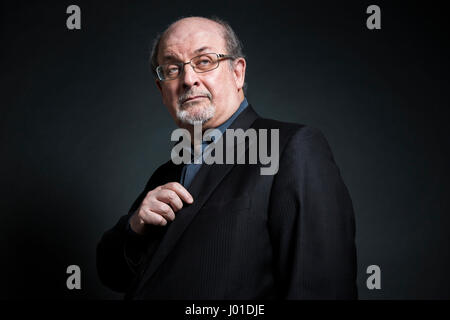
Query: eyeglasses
[(202, 63)]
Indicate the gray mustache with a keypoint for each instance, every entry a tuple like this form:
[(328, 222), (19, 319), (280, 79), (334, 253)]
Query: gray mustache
[(190, 94)]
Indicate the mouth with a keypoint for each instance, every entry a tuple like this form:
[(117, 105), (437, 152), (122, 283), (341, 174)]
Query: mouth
[(194, 98)]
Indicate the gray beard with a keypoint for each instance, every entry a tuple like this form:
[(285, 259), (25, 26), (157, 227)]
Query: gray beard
[(206, 114)]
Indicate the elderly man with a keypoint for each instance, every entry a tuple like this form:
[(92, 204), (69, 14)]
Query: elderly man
[(226, 231)]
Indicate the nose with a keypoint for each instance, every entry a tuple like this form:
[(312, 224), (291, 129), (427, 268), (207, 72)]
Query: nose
[(189, 77)]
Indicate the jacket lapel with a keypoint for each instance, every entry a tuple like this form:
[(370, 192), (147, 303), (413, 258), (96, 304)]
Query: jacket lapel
[(203, 185)]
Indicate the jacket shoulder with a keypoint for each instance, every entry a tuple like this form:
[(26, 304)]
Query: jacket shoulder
[(288, 130)]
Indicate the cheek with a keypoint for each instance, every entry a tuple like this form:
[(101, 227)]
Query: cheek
[(218, 86), (169, 96), (169, 99)]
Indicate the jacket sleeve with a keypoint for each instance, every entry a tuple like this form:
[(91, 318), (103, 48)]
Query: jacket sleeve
[(311, 222), (121, 251)]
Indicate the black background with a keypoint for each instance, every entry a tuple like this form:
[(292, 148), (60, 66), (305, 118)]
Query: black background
[(83, 127)]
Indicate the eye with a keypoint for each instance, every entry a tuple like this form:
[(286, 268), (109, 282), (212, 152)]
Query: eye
[(171, 69), (204, 62)]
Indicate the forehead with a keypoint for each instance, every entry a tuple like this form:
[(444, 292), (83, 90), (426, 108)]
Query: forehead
[(184, 40)]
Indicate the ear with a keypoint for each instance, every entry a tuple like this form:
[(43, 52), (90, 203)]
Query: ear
[(158, 84), (239, 72)]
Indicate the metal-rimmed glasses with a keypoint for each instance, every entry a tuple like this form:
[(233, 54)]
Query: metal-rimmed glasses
[(201, 63)]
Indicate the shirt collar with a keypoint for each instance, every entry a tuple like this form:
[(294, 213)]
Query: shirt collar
[(224, 126)]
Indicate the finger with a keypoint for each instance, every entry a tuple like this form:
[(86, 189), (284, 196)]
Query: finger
[(180, 191), (170, 197), (150, 217), (163, 209)]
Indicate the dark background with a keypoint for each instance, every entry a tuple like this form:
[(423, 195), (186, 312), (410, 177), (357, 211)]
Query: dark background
[(83, 127)]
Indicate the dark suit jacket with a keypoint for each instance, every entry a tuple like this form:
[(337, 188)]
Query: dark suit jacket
[(247, 235)]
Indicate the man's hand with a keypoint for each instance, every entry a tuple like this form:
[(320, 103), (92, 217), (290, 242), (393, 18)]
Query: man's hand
[(159, 206)]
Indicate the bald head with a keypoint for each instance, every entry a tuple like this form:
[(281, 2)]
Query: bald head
[(200, 20), (232, 43), (184, 29)]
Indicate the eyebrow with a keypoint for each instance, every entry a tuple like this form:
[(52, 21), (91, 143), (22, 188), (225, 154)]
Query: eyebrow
[(171, 56), (202, 49)]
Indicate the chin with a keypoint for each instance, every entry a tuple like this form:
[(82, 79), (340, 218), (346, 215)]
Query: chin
[(192, 114)]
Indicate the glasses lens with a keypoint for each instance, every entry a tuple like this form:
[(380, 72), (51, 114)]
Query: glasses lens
[(168, 71), (205, 62)]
